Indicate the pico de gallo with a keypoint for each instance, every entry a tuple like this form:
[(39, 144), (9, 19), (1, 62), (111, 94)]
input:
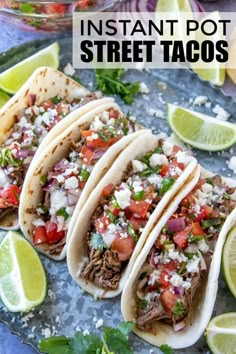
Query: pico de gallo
[(64, 184), (181, 256), (32, 125), (124, 211)]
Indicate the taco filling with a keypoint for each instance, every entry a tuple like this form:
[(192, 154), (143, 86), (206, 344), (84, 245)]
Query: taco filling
[(32, 125), (64, 184), (180, 259), (124, 211)]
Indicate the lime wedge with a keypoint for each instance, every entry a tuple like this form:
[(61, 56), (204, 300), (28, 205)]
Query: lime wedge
[(23, 281), (3, 98), (229, 261), (221, 334), (12, 79), (173, 6), (199, 130), (213, 72)]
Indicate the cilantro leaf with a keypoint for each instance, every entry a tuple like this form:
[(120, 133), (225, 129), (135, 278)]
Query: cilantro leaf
[(6, 158), (116, 341), (166, 349), (56, 345), (27, 8), (97, 242), (178, 309), (109, 82), (125, 327), (86, 344), (166, 184)]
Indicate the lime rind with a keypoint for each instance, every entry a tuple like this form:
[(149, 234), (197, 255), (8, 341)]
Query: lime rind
[(229, 261), (15, 288), (199, 130), (13, 78)]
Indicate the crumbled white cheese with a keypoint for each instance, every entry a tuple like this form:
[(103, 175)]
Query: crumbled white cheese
[(158, 160), (156, 113), (154, 277), (176, 280), (97, 124), (207, 188), (186, 284), (177, 256), (232, 164), (71, 183), (221, 113), (183, 157), (99, 323), (123, 197), (203, 246), (193, 265), (38, 222), (167, 148), (143, 88), (104, 116), (92, 137), (69, 70), (60, 178), (58, 201), (3, 178), (22, 123), (86, 332), (155, 180), (137, 166), (138, 189), (200, 100)]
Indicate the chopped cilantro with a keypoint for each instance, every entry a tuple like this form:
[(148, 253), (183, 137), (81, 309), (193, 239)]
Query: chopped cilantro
[(6, 158), (139, 195), (56, 100), (166, 349), (210, 181), (166, 184), (211, 222), (226, 196), (147, 172), (84, 174), (111, 216), (27, 8), (43, 209), (195, 239), (189, 255), (132, 233), (43, 180), (142, 275), (109, 82), (182, 268), (114, 202), (62, 212), (178, 309), (158, 150), (97, 242), (142, 304)]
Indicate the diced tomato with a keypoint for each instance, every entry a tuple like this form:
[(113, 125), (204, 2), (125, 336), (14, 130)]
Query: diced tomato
[(174, 151), (107, 190), (164, 170), (158, 243), (63, 108), (40, 235), (152, 287), (137, 223), (82, 184), (87, 133), (102, 223), (172, 265), (99, 143), (113, 113), (83, 4), (168, 300), (197, 230), (164, 279), (189, 200), (170, 169), (55, 8), (150, 191), (205, 212), (138, 207), (181, 237), (52, 233), (114, 210), (87, 155), (124, 246), (11, 195), (47, 104)]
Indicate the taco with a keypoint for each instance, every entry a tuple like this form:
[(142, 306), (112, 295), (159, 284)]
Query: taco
[(43, 108), (120, 213), (67, 172), (171, 291)]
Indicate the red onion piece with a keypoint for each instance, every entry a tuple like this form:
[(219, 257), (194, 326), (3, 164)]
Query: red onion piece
[(50, 185), (152, 259), (76, 192), (24, 153), (175, 225), (72, 200), (179, 326), (179, 290), (61, 165), (32, 99), (99, 153)]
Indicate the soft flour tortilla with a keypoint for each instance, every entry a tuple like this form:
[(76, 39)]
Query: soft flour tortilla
[(59, 148), (45, 83), (204, 299), (77, 248)]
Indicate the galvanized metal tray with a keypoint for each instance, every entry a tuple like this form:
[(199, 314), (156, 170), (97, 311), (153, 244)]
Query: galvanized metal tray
[(66, 308)]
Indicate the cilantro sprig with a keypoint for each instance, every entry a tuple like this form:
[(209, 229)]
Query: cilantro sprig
[(178, 309), (112, 341), (109, 82), (6, 158)]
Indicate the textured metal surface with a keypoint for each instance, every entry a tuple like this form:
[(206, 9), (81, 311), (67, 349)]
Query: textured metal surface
[(66, 309)]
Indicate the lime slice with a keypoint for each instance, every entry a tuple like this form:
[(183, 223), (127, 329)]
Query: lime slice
[(3, 98), (12, 79), (22, 278), (213, 72), (221, 334), (199, 130), (173, 6), (229, 261)]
